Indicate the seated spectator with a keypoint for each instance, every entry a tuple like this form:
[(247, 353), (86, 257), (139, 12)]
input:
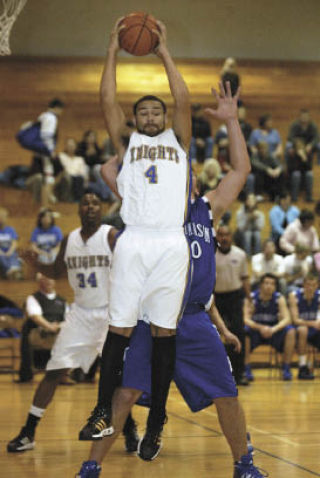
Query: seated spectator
[(267, 321), (202, 141), (265, 262), (209, 177), (229, 74), (46, 237), (10, 317), (306, 130), (45, 174), (281, 215), (299, 168), (45, 311), (296, 267), (267, 134), (304, 308), (267, 173), (221, 149), (10, 264), (250, 222), (244, 125), (303, 139), (300, 231), (76, 171), (89, 150)]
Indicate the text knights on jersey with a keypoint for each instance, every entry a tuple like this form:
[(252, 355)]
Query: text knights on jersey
[(84, 262), (153, 152)]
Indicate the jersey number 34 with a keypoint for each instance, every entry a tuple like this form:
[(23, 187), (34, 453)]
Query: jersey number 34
[(84, 281)]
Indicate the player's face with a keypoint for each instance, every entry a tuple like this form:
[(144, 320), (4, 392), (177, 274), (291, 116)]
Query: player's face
[(310, 286), (150, 118), (90, 209), (268, 286)]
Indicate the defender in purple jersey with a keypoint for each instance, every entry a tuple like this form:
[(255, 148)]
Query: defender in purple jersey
[(197, 337)]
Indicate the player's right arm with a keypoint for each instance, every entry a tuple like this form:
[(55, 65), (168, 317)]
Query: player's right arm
[(231, 185), (112, 112), (53, 271)]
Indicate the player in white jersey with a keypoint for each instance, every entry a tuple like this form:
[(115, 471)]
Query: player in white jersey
[(151, 258), (85, 255)]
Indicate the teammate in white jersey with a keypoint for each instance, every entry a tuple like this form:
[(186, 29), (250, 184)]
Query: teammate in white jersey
[(151, 258), (85, 255)]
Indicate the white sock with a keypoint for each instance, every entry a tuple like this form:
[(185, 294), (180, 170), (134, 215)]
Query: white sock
[(36, 411), (302, 360)]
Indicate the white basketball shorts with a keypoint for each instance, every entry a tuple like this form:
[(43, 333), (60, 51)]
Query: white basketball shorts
[(80, 339), (148, 277)]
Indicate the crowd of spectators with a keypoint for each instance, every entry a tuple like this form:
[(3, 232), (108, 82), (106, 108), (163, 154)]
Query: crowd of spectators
[(275, 273)]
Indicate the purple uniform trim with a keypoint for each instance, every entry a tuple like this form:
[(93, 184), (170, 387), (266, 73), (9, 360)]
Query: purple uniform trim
[(203, 371)]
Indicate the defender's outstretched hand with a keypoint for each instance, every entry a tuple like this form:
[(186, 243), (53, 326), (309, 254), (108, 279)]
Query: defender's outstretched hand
[(227, 104)]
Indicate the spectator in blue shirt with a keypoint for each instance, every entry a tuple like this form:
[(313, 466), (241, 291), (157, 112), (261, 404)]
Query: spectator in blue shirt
[(268, 134), (46, 237), (281, 215), (10, 264)]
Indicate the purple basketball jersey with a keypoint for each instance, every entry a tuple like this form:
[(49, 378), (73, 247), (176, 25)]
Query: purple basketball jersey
[(201, 236)]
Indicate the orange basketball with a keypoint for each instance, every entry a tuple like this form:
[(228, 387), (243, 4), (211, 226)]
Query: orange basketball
[(137, 37)]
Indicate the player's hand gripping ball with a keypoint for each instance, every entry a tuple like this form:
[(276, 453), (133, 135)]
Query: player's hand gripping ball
[(136, 35)]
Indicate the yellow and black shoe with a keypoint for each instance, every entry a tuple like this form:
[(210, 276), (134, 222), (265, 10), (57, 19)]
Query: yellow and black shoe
[(98, 425)]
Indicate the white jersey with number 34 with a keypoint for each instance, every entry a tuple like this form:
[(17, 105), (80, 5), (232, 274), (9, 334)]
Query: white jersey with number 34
[(88, 264), (154, 182)]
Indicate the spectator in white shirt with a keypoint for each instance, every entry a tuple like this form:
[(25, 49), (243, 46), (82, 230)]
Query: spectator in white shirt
[(75, 169), (265, 262), (296, 267), (301, 231)]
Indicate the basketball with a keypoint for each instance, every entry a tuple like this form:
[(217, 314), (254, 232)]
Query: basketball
[(137, 36)]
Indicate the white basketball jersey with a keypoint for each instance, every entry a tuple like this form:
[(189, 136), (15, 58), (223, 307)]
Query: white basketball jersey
[(154, 182), (88, 265)]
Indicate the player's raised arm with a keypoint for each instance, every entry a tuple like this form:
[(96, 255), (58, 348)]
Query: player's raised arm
[(113, 115), (179, 90), (231, 185)]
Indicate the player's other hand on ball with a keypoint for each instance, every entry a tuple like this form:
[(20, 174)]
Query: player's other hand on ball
[(114, 36), (161, 33), (227, 105)]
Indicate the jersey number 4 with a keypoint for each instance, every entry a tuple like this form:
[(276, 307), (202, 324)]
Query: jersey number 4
[(152, 175), (83, 280)]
